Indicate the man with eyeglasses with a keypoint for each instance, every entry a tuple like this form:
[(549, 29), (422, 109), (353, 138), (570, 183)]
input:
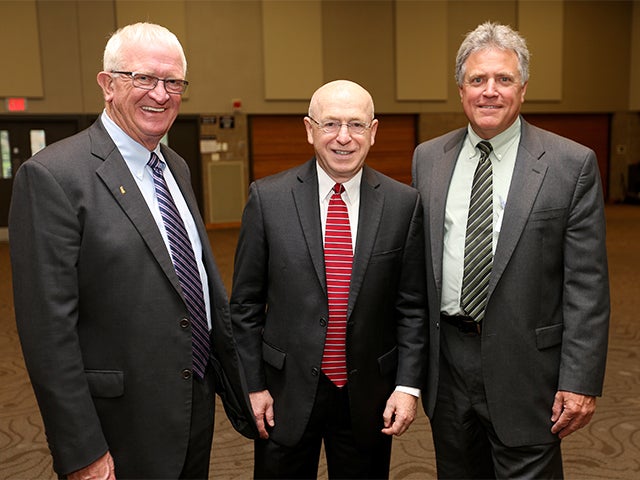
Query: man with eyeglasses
[(328, 301), (119, 304)]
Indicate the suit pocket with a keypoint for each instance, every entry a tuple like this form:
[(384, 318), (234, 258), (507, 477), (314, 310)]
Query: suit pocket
[(387, 255), (273, 356), (105, 383), (550, 336), (547, 214), (389, 362)]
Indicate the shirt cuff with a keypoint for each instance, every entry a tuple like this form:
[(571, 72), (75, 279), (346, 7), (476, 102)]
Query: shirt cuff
[(410, 390)]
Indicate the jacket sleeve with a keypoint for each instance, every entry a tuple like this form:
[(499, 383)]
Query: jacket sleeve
[(45, 238), (411, 305), (586, 303), (249, 291)]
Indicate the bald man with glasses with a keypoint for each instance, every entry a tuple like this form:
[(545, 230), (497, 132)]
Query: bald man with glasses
[(328, 301)]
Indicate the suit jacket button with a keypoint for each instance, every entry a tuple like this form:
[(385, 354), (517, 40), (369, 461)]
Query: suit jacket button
[(315, 371), (353, 372), (184, 322), (323, 322), (186, 374)]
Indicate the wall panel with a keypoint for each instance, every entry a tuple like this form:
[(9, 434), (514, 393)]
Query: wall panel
[(292, 45), (420, 49), (545, 44), (20, 40)]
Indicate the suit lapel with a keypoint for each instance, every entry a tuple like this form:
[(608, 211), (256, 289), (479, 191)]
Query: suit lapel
[(305, 195), (116, 176), (528, 174), (438, 191), (371, 204)]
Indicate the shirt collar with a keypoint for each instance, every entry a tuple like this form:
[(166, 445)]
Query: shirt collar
[(351, 187), (501, 142), (135, 155)]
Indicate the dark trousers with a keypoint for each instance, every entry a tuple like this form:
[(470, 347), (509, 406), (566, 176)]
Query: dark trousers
[(196, 465), (465, 442), (330, 421)]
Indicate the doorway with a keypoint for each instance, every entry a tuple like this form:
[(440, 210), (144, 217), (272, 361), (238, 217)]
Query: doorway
[(23, 136)]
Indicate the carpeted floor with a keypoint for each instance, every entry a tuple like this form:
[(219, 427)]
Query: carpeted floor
[(608, 448)]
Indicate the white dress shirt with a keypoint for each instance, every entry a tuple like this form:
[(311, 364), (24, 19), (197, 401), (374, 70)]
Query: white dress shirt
[(351, 197)]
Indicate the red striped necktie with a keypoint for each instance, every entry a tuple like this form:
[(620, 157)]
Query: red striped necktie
[(338, 259)]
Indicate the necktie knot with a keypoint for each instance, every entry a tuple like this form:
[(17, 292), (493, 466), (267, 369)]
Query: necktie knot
[(154, 162), (485, 149), (338, 188)]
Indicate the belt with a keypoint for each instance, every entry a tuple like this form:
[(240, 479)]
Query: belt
[(463, 323)]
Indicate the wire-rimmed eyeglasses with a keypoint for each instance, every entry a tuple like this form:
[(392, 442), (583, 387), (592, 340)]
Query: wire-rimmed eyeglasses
[(149, 82), (333, 127)]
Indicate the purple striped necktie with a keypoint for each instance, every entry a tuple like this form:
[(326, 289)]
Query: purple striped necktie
[(184, 262), (338, 260)]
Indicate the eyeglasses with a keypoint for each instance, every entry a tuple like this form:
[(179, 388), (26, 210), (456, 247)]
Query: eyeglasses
[(333, 127), (149, 82)]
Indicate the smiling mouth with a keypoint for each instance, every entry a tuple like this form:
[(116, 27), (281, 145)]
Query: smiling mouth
[(154, 109), (342, 152)]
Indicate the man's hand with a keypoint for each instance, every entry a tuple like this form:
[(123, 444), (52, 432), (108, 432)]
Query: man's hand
[(570, 412), (399, 413), (262, 405), (101, 469)]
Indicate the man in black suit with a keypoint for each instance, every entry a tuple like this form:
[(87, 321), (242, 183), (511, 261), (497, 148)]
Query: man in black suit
[(518, 336), (107, 322), (355, 392)]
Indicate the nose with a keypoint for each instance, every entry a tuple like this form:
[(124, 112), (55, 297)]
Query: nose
[(344, 135), (160, 92), (490, 89)]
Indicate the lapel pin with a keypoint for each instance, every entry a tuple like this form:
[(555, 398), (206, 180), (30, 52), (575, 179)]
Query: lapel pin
[(122, 190)]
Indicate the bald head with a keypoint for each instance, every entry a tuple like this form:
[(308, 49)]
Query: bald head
[(341, 128), (341, 91)]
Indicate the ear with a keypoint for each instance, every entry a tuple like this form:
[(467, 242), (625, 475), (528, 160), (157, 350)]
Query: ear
[(524, 91), (373, 130), (106, 82), (309, 127)]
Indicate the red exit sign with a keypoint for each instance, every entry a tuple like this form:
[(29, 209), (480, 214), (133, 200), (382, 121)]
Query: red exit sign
[(16, 104)]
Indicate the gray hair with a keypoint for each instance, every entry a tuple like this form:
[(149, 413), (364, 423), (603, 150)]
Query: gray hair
[(138, 33), (493, 35)]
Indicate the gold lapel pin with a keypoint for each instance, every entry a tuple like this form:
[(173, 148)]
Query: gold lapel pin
[(122, 190)]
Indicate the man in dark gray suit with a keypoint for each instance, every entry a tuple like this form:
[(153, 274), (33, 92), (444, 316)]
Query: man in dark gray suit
[(518, 333), (107, 323), (349, 372)]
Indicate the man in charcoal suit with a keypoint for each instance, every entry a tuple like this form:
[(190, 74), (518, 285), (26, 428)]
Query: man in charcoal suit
[(516, 275), (120, 307), (329, 316)]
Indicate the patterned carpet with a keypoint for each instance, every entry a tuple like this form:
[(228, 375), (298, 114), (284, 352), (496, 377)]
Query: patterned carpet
[(608, 448)]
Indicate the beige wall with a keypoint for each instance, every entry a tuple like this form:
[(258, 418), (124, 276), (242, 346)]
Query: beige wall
[(227, 45), (224, 44)]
